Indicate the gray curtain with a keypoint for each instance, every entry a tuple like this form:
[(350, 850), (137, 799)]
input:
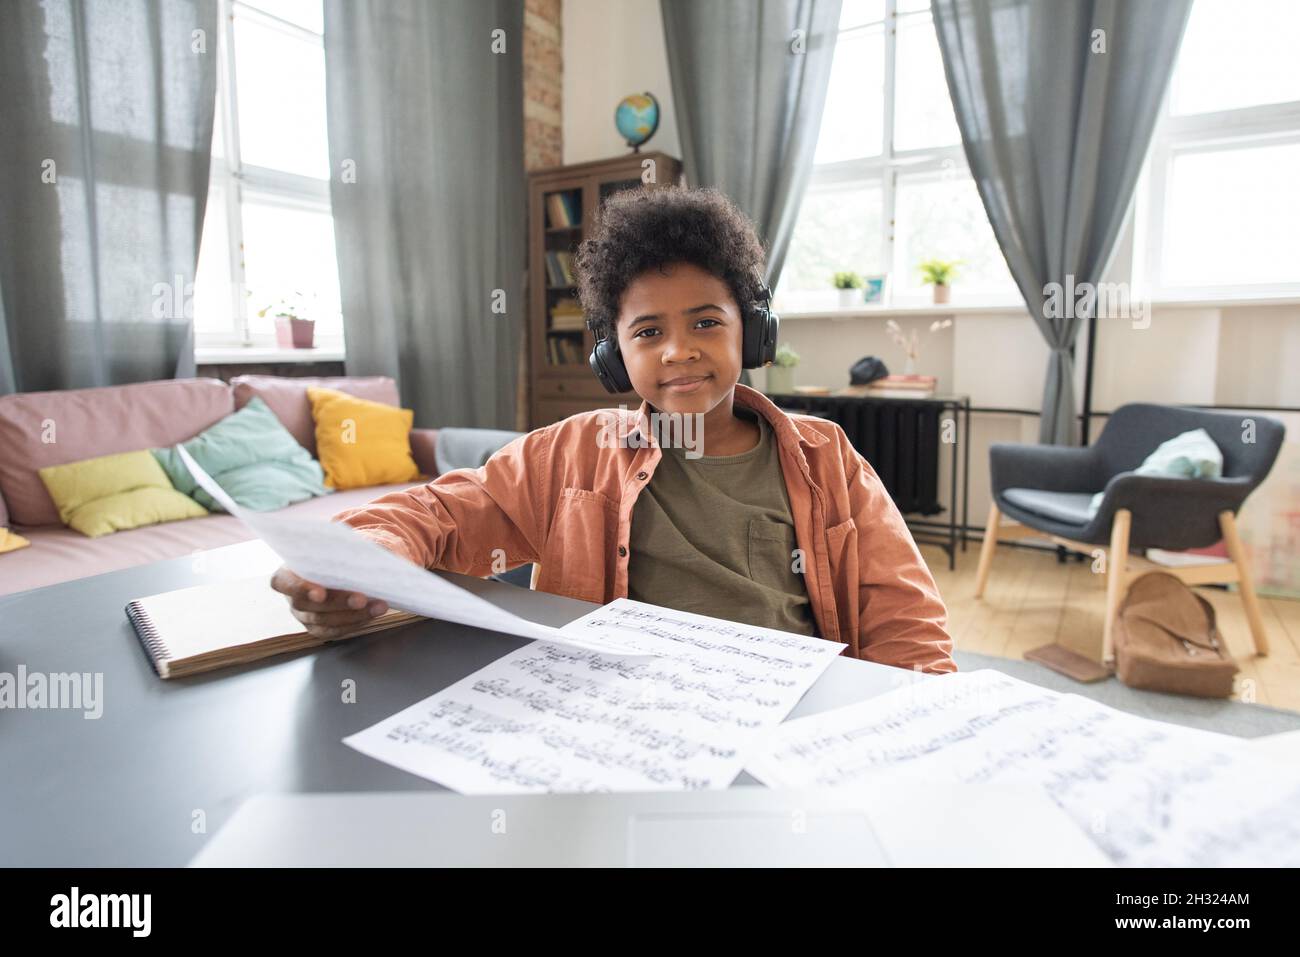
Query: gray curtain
[(425, 107), (749, 92), (106, 115), (1056, 103)]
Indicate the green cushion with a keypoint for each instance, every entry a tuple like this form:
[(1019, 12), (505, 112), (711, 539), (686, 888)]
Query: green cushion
[(253, 457), (116, 492)]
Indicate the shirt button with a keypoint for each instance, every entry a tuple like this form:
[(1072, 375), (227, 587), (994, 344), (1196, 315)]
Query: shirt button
[(622, 551), (641, 476)]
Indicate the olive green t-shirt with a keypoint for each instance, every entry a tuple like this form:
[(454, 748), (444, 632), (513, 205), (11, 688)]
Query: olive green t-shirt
[(713, 535)]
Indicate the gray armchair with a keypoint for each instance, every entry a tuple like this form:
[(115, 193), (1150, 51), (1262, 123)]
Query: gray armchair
[(1046, 489)]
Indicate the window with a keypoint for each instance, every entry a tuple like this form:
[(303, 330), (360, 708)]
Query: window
[(268, 233), (890, 187), (1219, 208)]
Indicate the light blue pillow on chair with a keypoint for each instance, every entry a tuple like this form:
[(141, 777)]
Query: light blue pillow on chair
[(1192, 454), (253, 457)]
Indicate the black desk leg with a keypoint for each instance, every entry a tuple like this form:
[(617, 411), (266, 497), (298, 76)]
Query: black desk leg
[(952, 499), (965, 478)]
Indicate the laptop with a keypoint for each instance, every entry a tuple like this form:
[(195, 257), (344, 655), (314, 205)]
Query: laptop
[(744, 826)]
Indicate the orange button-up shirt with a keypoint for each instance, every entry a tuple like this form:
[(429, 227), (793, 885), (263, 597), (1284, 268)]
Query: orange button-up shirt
[(563, 496)]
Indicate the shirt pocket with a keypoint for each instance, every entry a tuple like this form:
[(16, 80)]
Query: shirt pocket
[(771, 554), (578, 558)]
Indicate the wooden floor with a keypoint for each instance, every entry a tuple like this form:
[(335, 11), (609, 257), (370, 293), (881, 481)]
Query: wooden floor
[(1032, 600)]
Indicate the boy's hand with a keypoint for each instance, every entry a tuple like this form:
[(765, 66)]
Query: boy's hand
[(326, 613)]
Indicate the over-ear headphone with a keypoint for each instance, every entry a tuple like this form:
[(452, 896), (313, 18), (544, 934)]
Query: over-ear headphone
[(759, 328)]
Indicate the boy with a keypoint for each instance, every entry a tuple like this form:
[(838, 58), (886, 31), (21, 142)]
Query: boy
[(761, 517)]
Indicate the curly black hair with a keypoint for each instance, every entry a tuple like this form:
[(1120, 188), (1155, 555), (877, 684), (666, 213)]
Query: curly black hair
[(655, 226)]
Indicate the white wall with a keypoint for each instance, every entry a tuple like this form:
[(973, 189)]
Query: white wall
[(613, 48), (1173, 360), (1259, 357)]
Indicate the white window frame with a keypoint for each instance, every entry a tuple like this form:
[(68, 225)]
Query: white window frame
[(1175, 135), (1178, 135), (883, 170), (267, 185)]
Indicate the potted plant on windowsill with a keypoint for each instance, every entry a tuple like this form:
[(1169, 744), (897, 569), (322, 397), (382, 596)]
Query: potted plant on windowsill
[(849, 284), (780, 374), (293, 330), (940, 273)]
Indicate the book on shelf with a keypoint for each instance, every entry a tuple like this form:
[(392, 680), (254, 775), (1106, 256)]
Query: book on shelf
[(567, 315), (565, 259), (1214, 555), (918, 382), (895, 393), (563, 350), (895, 387), (561, 211), (559, 268)]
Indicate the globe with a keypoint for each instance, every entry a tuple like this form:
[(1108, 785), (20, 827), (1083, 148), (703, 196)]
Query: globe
[(637, 118)]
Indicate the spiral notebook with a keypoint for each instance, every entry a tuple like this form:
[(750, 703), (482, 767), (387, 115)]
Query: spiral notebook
[(198, 629)]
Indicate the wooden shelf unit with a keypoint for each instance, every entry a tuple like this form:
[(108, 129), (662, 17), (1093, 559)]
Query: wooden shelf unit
[(563, 203)]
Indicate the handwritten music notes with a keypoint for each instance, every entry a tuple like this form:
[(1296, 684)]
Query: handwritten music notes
[(1147, 793), (550, 717)]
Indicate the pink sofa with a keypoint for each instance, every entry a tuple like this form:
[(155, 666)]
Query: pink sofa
[(38, 429)]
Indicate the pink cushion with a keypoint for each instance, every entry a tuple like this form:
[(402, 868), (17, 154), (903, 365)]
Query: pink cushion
[(59, 554), (53, 428), (287, 397)]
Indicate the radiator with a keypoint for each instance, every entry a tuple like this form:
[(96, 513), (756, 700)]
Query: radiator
[(900, 438)]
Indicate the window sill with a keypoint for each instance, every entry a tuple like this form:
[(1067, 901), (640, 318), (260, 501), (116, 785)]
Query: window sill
[(919, 310), (922, 310), (236, 355)]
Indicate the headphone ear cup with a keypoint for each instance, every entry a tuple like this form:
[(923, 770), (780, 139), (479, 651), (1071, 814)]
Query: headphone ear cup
[(772, 326), (758, 346), (607, 364), (751, 341)]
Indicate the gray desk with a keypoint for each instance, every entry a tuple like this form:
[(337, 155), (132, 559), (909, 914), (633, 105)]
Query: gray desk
[(128, 788)]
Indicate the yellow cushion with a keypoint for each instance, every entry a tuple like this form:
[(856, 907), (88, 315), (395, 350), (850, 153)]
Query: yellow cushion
[(116, 492), (361, 443), (11, 542)]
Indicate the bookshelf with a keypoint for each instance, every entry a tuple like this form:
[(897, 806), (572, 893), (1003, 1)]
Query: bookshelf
[(563, 203)]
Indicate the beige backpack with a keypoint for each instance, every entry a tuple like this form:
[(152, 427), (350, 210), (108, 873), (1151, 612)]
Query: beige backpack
[(1166, 640)]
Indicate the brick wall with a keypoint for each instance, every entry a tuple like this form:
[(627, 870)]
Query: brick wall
[(543, 139), (543, 145)]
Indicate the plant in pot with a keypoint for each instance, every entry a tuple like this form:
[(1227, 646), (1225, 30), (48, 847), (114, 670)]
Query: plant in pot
[(780, 374), (293, 329), (848, 283), (940, 273)]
